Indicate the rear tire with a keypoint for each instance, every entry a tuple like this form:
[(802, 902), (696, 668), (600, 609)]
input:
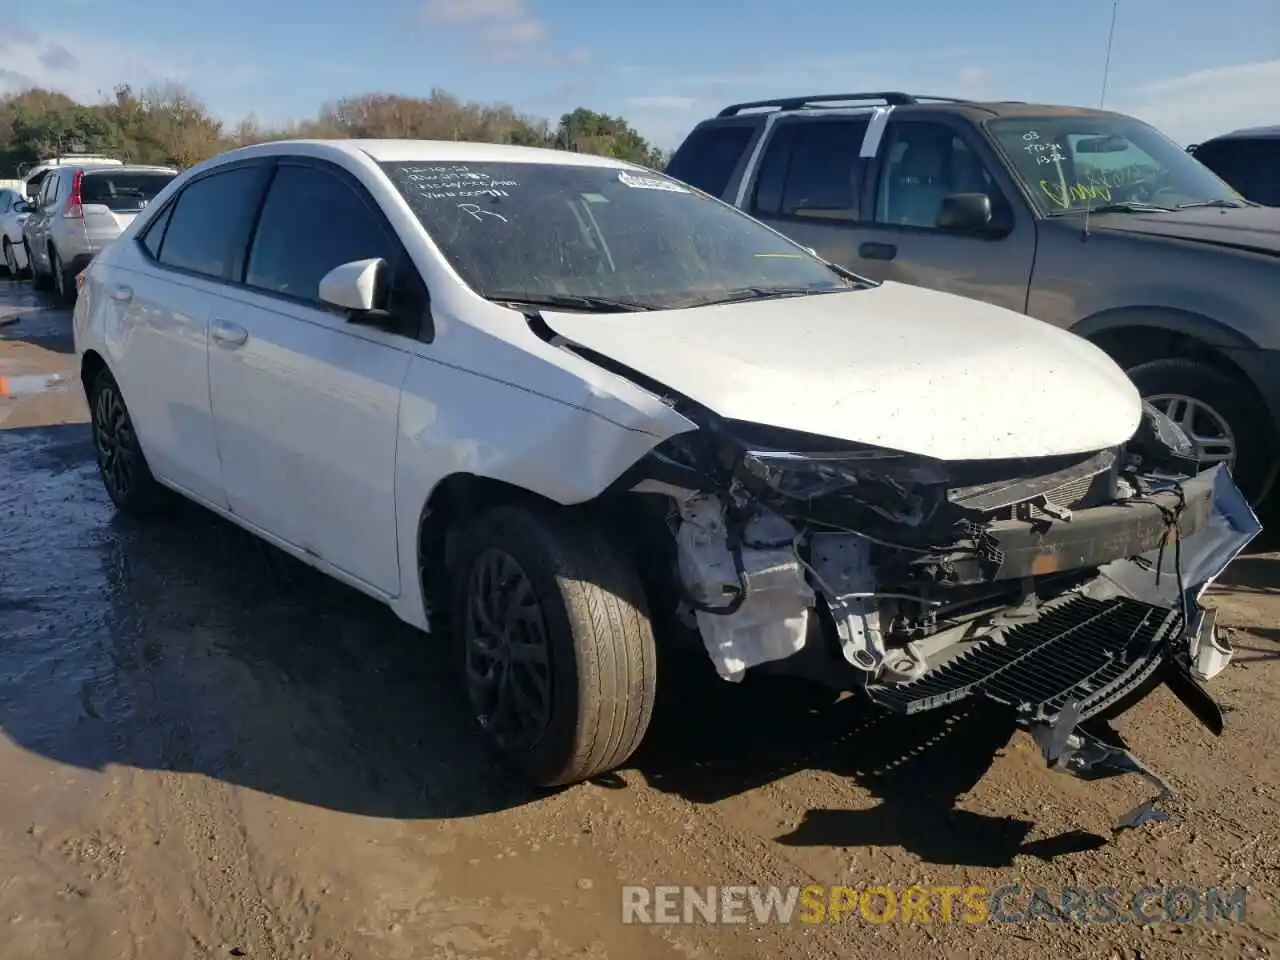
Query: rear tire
[(1253, 436), (38, 280), (121, 464), (552, 579), (64, 284)]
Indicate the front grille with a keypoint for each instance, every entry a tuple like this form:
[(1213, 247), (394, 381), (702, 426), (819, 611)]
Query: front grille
[(1083, 650)]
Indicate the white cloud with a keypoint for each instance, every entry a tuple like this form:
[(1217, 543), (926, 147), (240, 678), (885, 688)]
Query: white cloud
[(972, 75), (1198, 105), (501, 27), (83, 68), (88, 69)]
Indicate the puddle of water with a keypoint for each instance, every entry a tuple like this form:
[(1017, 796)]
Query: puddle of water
[(32, 383)]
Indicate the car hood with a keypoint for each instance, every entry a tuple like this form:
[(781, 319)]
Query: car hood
[(1248, 228), (893, 366)]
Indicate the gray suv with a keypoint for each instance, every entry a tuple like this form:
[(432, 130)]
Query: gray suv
[(78, 210), (1087, 219)]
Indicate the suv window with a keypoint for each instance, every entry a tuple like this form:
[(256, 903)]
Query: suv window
[(1250, 166), (923, 163), (708, 158), (210, 223), (126, 192), (812, 169)]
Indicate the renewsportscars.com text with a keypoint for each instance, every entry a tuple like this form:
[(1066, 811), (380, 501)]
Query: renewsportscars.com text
[(1012, 903)]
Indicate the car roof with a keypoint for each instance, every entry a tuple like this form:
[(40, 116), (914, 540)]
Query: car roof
[(1250, 133), (425, 151)]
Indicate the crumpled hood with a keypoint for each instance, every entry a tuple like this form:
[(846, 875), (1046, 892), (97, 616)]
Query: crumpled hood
[(895, 366), (1250, 228)]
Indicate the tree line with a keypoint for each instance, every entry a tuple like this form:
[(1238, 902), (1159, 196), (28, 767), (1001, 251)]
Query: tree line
[(168, 125)]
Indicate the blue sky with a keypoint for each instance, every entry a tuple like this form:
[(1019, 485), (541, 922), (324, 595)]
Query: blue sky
[(1192, 67)]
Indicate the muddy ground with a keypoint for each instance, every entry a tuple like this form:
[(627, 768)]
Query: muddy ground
[(210, 751)]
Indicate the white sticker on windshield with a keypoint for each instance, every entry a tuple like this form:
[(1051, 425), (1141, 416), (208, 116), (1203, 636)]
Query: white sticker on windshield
[(641, 182), (595, 198)]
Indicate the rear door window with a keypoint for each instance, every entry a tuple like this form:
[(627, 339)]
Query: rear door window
[(709, 156), (812, 169), (126, 192)]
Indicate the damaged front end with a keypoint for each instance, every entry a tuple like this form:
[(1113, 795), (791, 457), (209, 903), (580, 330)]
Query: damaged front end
[(1063, 588)]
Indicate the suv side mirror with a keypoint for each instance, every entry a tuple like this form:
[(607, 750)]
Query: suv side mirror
[(965, 213), (362, 288)]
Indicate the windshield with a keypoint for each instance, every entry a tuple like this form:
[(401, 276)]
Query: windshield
[(554, 232), (123, 192), (1074, 163)]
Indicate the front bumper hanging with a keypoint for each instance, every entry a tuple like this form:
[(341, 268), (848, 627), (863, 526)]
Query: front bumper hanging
[(1138, 624)]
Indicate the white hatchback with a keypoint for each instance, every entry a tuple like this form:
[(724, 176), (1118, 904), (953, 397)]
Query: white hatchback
[(558, 398)]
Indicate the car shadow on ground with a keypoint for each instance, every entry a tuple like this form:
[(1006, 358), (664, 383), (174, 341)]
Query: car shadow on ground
[(712, 740), (188, 645)]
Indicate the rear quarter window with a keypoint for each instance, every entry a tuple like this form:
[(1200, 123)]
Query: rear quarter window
[(709, 156)]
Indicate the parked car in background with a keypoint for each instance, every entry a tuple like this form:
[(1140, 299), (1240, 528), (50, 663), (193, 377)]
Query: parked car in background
[(33, 174), (554, 395), (14, 210), (1249, 160), (78, 211), (1086, 219)]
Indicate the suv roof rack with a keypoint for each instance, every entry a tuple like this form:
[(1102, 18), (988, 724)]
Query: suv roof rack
[(893, 98)]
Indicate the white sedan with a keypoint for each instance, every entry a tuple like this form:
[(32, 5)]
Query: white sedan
[(551, 396)]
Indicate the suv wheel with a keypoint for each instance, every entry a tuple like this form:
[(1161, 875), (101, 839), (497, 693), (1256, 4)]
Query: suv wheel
[(1224, 424), (556, 648), (63, 282), (38, 279), (121, 464)]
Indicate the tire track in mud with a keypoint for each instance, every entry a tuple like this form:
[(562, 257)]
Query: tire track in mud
[(213, 878)]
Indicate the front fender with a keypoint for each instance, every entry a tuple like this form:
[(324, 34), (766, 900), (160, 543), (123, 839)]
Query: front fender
[(1185, 322), (566, 445)]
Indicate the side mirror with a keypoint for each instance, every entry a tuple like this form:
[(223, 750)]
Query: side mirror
[(965, 213), (361, 287)]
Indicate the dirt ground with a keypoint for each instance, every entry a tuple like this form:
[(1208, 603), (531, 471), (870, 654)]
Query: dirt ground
[(210, 751)]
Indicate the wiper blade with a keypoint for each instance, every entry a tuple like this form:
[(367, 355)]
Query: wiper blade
[(570, 301), (757, 293), (1225, 204), (1129, 206)]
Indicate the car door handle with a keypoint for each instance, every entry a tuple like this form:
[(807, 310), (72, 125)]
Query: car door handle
[(877, 251), (122, 293), (229, 334)]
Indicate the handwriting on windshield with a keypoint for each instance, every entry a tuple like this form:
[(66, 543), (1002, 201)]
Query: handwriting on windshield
[(476, 212), (454, 181), (1064, 195), (1043, 152)]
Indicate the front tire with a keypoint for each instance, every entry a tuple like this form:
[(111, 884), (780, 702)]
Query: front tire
[(121, 464), (1224, 423), (555, 643)]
